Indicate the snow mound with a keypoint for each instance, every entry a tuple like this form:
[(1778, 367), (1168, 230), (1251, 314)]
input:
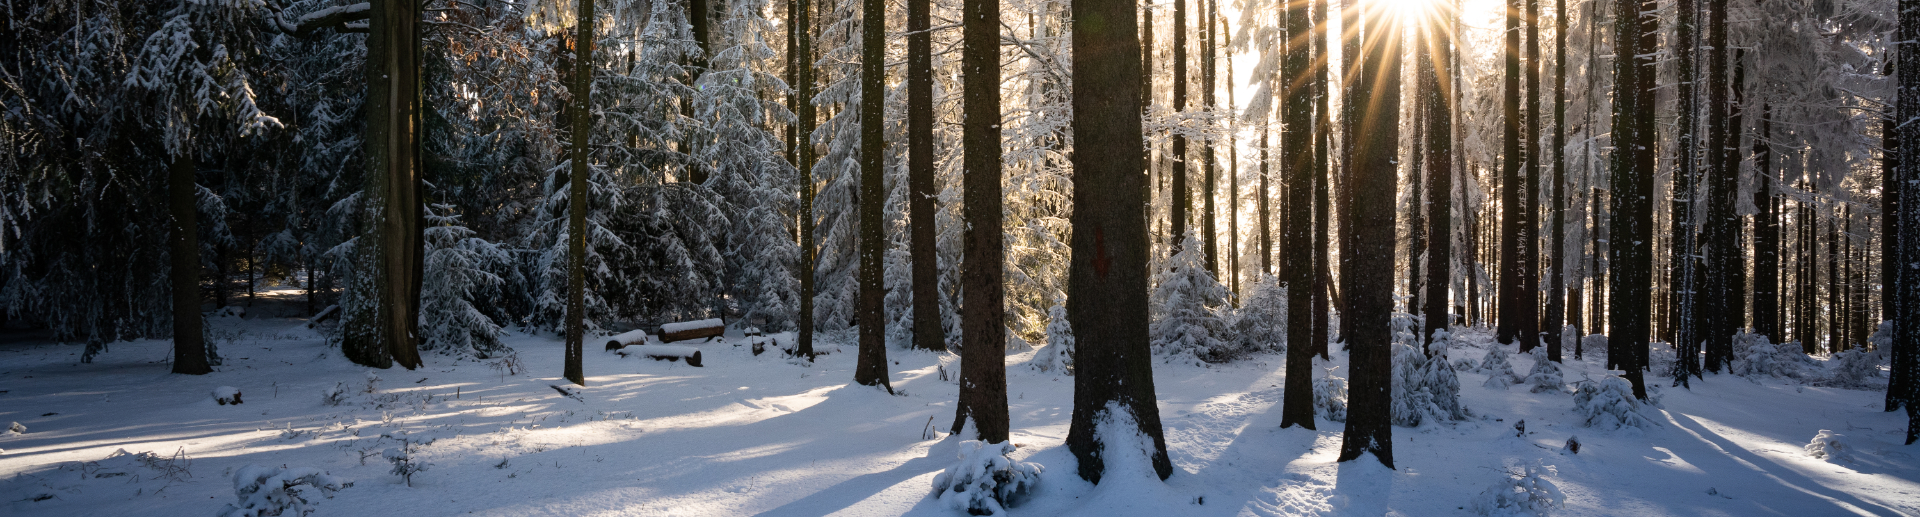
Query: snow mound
[(1527, 492), (16, 428), (226, 395), (1860, 368), (1545, 375), (1831, 446), (684, 326), (1753, 356), (268, 491), (1609, 405), (985, 479), (1499, 372)]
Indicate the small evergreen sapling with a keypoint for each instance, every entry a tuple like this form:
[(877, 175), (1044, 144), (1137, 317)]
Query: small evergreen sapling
[(404, 463), (1057, 356), (1499, 372), (285, 492), (1330, 397), (1526, 492), (1831, 446), (1186, 306), (1609, 404), (1545, 375), (1262, 319), (985, 479)]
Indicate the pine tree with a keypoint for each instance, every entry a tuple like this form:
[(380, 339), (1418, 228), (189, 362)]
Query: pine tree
[(1367, 275), (1296, 261), (983, 370), (1630, 214), (1107, 283), (1435, 71), (1905, 289), (582, 114), (871, 368), (927, 334)]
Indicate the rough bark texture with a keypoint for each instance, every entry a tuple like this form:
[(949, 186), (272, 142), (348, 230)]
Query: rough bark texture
[(1107, 279), (1899, 384), (1766, 234), (391, 253), (1439, 159), (1722, 222), (1906, 335), (1181, 201), (1367, 275), (803, 38), (1296, 245), (927, 334), (983, 329), (1210, 236), (1527, 307), (1322, 136), (1683, 265), (1630, 222), (577, 192), (189, 338), (871, 368), (1555, 317), (1512, 187)]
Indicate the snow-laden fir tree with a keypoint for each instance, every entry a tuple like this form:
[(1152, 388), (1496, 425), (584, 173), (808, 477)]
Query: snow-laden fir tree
[(1545, 375), (1261, 322), (1441, 381), (1186, 306), (460, 270), (1057, 356), (1499, 372)]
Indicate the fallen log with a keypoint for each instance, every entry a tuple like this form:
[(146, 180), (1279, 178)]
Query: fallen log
[(669, 353), (627, 338), (682, 331)]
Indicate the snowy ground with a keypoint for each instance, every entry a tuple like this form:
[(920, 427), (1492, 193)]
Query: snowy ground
[(749, 435)]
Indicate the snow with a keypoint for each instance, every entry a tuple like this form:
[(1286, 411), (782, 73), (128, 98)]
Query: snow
[(684, 326), (629, 337), (757, 435)]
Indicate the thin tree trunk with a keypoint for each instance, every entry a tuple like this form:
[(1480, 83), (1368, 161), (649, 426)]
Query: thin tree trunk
[(1323, 134), (1900, 384), (1439, 157), (1512, 191), (1296, 260), (577, 193), (1528, 309), (803, 39), (1181, 199), (871, 368), (1107, 278), (1557, 279), (189, 338), (927, 334), (1368, 273), (1233, 181), (1209, 234), (1766, 234)]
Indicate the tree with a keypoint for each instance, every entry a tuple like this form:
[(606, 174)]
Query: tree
[(871, 369), (1630, 212), (1906, 291), (1182, 201), (381, 325), (582, 90), (803, 38), (1436, 71), (1683, 269), (1723, 264), (1557, 279), (1367, 275), (1208, 230), (1296, 260), (927, 334), (983, 356), (1514, 196), (1107, 281)]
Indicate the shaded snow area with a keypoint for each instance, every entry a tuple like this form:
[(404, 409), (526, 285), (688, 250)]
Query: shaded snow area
[(762, 435)]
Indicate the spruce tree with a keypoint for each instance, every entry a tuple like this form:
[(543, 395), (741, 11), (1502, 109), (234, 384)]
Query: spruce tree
[(1296, 264), (871, 367), (1367, 275), (983, 334)]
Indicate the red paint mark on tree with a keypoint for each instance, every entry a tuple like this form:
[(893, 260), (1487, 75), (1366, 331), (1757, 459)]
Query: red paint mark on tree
[(1100, 258)]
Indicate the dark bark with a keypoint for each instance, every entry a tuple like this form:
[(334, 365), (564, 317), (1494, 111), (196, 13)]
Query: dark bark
[(1296, 260), (1899, 381), (1262, 202), (189, 338), (1367, 275), (1527, 308), (1512, 188), (391, 252), (1210, 237), (577, 192), (927, 334), (1718, 310), (871, 367), (1107, 278), (1630, 222), (1439, 157), (1555, 318), (803, 39), (983, 329), (1766, 234), (1180, 199), (1233, 182), (1322, 135), (1684, 298)]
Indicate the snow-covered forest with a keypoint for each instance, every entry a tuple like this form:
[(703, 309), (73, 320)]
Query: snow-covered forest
[(938, 257)]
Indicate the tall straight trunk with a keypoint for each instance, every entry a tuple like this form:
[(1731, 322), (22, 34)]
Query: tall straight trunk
[(577, 193), (1416, 213), (1527, 308), (871, 367), (1296, 261), (1262, 202), (1808, 270), (804, 114), (1146, 105), (1766, 234), (1684, 300), (1209, 234), (1834, 323), (926, 274), (390, 256), (1322, 133), (1233, 181), (1341, 181), (1512, 188), (1722, 185), (1557, 276), (1439, 157), (1108, 271), (1367, 275), (1631, 210), (793, 80), (189, 338), (983, 334), (1900, 382), (1181, 199)]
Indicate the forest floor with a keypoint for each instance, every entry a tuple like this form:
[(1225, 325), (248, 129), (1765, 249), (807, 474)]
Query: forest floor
[(759, 435)]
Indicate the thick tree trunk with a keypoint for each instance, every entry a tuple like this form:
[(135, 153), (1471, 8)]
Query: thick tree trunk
[(189, 338), (803, 39), (1555, 318), (1439, 157), (927, 334), (1906, 291), (1512, 188), (1367, 275), (983, 329), (1527, 310), (1107, 277), (391, 252), (1899, 383), (577, 192), (1684, 300), (1322, 134), (1631, 211), (871, 368), (1296, 245), (1717, 305)]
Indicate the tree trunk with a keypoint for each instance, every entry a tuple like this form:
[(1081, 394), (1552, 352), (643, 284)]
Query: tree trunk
[(1210, 236), (1766, 234), (1683, 268), (1723, 222), (1631, 218), (1900, 385), (1512, 188), (1527, 311), (1439, 157), (1322, 134), (1181, 198), (1367, 275), (1557, 279), (1233, 181), (803, 39), (983, 329), (577, 191), (927, 334), (390, 254), (1262, 201), (871, 368), (189, 338), (1107, 277), (1296, 260)]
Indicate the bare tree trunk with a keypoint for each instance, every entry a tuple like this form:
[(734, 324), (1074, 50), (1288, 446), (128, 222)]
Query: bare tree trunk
[(1631, 218), (391, 251), (983, 329), (1296, 260), (1557, 279), (871, 368), (1107, 279), (1368, 273), (1322, 134), (803, 39), (1439, 157), (577, 191), (1766, 234), (189, 338), (1181, 198), (927, 334)]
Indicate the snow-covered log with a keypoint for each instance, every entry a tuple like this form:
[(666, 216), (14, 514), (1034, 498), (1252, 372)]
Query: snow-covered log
[(685, 330), (670, 353), (625, 339)]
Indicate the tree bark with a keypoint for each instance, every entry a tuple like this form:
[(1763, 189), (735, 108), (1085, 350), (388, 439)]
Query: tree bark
[(1322, 134), (577, 192), (1631, 210), (1208, 227), (871, 368), (927, 334), (1900, 385), (1527, 308), (1367, 275), (189, 338), (1439, 159), (1107, 277), (1723, 222), (391, 253), (1555, 318), (983, 329), (803, 39), (1766, 234), (1684, 302), (1181, 198), (1296, 245), (1512, 187)]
